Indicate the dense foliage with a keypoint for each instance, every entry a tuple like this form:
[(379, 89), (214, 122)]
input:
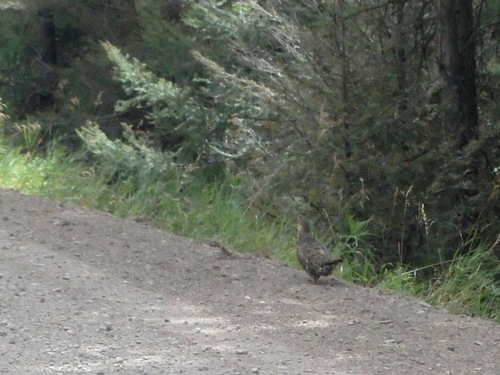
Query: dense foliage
[(336, 108)]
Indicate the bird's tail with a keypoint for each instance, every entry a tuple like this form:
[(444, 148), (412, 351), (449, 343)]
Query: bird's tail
[(333, 262)]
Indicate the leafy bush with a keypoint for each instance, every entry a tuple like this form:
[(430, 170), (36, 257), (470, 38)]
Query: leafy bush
[(177, 121)]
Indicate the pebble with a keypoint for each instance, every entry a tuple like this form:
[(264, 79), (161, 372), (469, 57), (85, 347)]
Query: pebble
[(424, 304)]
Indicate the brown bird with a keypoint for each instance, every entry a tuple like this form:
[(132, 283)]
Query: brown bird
[(313, 256)]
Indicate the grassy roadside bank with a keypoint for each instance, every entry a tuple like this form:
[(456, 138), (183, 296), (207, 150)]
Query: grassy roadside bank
[(468, 284)]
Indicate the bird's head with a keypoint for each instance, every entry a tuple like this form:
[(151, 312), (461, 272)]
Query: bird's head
[(304, 224)]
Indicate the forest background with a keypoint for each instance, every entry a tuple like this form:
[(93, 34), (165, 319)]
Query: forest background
[(226, 119)]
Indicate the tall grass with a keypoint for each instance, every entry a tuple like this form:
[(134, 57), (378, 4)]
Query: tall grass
[(131, 181), (471, 283), (467, 284)]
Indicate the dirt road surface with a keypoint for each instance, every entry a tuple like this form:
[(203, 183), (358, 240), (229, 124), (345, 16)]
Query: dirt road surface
[(83, 292)]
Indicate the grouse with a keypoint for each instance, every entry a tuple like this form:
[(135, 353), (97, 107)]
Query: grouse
[(313, 256)]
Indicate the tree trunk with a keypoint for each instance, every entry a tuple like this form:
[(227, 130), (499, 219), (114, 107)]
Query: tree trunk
[(342, 45), (458, 69), (401, 45)]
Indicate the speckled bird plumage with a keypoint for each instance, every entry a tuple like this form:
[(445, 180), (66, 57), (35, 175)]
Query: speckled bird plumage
[(312, 255)]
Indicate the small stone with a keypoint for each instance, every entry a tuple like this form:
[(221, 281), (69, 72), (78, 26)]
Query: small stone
[(424, 304), (255, 370), (241, 352)]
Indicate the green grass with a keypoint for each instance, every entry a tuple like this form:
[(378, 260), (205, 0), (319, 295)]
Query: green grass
[(471, 284), (468, 284), (129, 188), (127, 182), (22, 172)]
